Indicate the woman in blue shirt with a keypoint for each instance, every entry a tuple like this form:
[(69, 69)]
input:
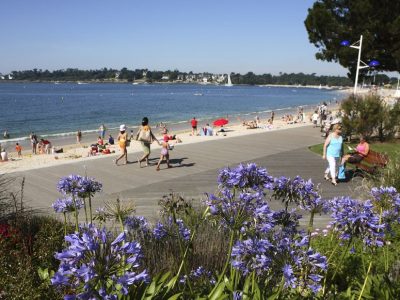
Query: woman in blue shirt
[(332, 152)]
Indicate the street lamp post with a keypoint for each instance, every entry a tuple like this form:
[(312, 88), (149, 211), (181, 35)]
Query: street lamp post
[(360, 63), (364, 65)]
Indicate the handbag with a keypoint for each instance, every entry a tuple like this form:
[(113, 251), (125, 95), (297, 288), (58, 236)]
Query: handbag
[(145, 136), (342, 172)]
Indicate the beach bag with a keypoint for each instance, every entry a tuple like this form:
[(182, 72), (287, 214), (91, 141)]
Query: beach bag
[(145, 136), (342, 172)]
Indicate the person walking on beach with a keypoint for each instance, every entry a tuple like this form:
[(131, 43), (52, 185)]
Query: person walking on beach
[(194, 126), (332, 152), (34, 142), (272, 117), (102, 131), (146, 137), (18, 148), (79, 136), (122, 139)]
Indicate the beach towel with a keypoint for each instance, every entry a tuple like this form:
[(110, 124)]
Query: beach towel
[(342, 172)]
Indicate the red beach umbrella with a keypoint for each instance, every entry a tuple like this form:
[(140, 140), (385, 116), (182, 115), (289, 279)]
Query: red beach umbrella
[(220, 122)]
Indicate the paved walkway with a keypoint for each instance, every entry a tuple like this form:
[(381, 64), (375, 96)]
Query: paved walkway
[(195, 170)]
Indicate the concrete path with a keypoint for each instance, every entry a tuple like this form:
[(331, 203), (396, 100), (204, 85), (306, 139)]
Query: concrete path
[(195, 170)]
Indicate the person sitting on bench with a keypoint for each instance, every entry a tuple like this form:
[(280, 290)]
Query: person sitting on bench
[(362, 150)]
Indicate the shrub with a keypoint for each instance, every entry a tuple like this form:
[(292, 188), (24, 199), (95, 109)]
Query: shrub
[(370, 115)]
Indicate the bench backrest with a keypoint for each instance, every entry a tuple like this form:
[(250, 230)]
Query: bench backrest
[(376, 158)]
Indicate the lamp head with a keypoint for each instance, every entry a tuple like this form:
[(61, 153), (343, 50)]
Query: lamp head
[(345, 43), (374, 63)]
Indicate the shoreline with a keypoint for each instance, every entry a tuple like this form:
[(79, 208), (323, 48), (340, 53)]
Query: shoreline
[(68, 138), (74, 152)]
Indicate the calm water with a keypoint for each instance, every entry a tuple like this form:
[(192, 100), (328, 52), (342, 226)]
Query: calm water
[(61, 109)]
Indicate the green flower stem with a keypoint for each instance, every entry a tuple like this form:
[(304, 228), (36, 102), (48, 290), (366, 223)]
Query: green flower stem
[(65, 224), (310, 227), (329, 258), (121, 223), (386, 251), (76, 214), (183, 252), (365, 280), (253, 282), (90, 208), (342, 258), (226, 262), (84, 206), (187, 248)]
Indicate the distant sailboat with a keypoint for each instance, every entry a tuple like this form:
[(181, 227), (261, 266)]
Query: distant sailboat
[(320, 87), (229, 81)]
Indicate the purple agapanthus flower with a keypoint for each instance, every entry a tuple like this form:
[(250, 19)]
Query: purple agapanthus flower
[(159, 231), (280, 255), (89, 186), (95, 263), (199, 275), (300, 192), (66, 205), (288, 275), (184, 232), (244, 177), (70, 185), (357, 219), (137, 223)]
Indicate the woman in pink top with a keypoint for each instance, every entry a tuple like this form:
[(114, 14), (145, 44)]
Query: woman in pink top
[(362, 150)]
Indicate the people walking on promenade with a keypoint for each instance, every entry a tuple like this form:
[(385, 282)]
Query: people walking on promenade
[(332, 152), (122, 141), (146, 137), (164, 154)]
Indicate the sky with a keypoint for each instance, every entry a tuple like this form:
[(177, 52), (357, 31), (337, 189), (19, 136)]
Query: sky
[(218, 36)]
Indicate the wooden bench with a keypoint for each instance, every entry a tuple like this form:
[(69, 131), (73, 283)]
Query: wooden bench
[(372, 162)]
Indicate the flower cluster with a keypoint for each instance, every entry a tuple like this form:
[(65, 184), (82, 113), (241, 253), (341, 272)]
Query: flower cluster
[(241, 192), (278, 256), (137, 223), (162, 230), (387, 202), (159, 231), (78, 186), (199, 274), (357, 219), (245, 177), (67, 205), (300, 192), (96, 266)]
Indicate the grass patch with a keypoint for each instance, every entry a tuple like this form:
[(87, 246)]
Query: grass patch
[(391, 148)]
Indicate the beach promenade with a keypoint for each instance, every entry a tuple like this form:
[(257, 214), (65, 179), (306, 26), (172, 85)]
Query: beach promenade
[(194, 172)]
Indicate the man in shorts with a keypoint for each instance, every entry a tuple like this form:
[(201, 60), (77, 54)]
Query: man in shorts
[(194, 126)]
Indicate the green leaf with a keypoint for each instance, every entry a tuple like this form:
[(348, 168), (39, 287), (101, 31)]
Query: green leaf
[(174, 297), (218, 292), (43, 274)]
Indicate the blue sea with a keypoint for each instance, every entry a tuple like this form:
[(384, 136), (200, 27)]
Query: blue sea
[(51, 109)]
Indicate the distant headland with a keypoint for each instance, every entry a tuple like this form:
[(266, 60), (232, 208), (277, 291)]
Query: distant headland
[(138, 76)]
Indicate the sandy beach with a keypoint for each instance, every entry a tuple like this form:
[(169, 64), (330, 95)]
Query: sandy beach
[(80, 152)]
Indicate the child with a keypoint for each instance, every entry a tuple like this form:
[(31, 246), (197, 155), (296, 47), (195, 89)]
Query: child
[(18, 148), (164, 155)]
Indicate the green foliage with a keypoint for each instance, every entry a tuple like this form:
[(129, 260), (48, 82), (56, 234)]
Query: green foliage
[(370, 115), (330, 22), (126, 75), (390, 175), (31, 248)]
